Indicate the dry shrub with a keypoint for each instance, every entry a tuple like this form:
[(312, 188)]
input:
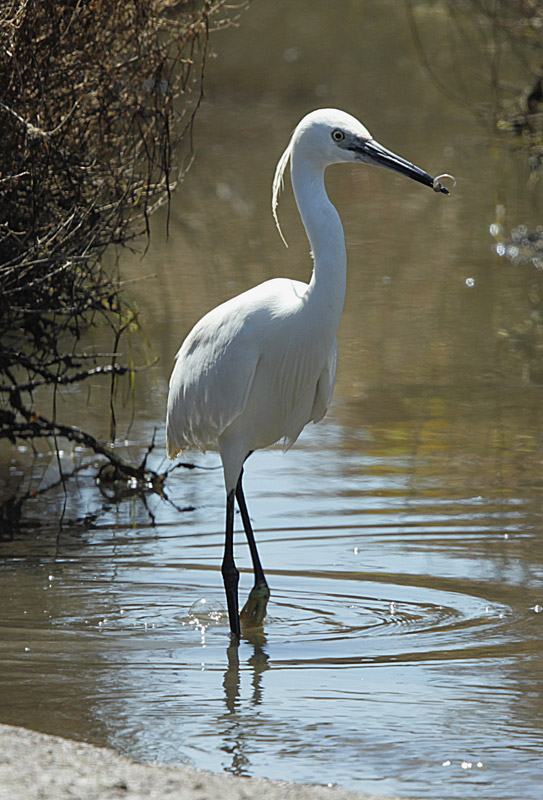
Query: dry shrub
[(501, 82), (94, 94)]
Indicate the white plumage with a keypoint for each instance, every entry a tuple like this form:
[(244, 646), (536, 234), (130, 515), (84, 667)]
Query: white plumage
[(269, 386), (259, 367)]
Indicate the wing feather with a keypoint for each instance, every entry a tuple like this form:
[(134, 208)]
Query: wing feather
[(256, 345), (211, 380)]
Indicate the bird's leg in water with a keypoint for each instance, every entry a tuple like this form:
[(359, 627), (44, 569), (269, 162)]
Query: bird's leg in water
[(229, 570), (254, 610)]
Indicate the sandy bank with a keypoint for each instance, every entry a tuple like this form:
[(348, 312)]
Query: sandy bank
[(34, 766)]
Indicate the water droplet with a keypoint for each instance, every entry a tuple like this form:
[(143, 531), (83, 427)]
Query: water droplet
[(206, 610)]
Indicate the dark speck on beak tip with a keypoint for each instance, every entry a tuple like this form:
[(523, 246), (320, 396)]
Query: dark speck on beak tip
[(438, 187)]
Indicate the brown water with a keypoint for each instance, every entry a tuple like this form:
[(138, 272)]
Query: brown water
[(401, 536)]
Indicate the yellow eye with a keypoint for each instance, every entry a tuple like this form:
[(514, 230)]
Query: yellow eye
[(338, 135)]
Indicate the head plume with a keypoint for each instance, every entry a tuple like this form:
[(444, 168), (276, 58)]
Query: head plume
[(278, 184)]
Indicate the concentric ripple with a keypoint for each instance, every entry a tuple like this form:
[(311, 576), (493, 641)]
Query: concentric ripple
[(405, 641)]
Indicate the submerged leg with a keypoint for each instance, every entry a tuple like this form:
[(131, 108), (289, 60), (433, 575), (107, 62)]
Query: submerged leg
[(254, 610), (229, 570)]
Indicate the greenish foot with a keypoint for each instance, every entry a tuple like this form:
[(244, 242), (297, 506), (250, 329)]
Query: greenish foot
[(254, 610)]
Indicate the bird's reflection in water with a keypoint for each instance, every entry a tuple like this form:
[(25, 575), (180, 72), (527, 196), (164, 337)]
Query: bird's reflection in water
[(240, 720)]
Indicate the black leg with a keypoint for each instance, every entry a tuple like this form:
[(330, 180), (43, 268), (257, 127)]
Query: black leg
[(257, 566), (230, 573), (254, 611)]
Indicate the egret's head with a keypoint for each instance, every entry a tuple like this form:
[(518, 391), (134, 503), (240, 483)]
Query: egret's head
[(326, 135), (329, 136)]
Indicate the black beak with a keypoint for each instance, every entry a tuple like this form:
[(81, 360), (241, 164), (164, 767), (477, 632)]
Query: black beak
[(375, 153)]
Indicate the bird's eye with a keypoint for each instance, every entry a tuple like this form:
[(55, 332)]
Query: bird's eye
[(338, 135)]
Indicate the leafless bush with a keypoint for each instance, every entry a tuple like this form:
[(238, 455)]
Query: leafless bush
[(501, 81), (94, 94)]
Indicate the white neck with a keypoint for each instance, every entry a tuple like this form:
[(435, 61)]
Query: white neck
[(325, 233)]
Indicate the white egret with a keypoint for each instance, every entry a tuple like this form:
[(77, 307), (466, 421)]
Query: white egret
[(259, 367)]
